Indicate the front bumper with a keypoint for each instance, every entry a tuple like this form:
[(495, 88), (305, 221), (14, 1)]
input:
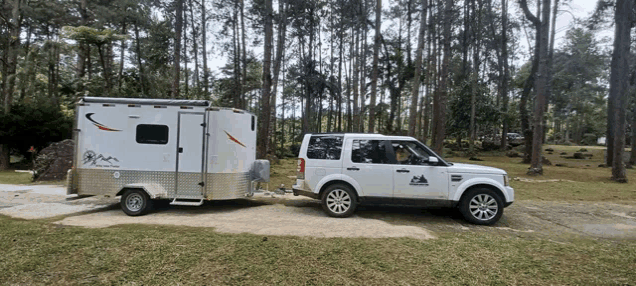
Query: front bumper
[(510, 193)]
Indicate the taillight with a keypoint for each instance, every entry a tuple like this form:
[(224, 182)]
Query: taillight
[(300, 169)]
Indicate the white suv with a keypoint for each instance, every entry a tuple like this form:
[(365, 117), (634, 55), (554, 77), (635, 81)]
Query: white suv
[(344, 170)]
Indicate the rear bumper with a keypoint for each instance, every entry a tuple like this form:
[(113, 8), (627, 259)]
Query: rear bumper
[(299, 192)]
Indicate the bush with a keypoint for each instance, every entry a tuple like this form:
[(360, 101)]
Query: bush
[(36, 125)]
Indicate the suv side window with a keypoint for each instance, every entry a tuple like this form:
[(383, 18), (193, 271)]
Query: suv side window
[(371, 152), (410, 153), (325, 147)]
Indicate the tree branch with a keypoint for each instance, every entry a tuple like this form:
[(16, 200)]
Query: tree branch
[(529, 15)]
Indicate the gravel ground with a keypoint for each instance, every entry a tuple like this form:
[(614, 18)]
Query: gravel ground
[(300, 216)]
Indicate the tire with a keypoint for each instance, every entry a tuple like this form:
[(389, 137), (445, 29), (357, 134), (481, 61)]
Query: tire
[(135, 202), (339, 201), (481, 206)]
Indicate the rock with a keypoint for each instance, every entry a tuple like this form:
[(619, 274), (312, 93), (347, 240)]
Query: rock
[(549, 150), (588, 155), (582, 150), (512, 154), (273, 159), (578, 155), (489, 146), (545, 161), (561, 165), (54, 161), (602, 166), (474, 159), (564, 153)]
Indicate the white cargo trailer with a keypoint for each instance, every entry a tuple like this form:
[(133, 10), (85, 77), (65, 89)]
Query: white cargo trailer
[(186, 151)]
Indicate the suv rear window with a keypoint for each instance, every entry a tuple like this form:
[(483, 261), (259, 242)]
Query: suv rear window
[(370, 151), (325, 147)]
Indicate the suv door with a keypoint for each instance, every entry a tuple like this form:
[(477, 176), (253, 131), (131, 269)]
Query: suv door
[(369, 164), (413, 176)]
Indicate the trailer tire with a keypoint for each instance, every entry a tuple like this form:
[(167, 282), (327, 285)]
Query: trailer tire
[(135, 202)]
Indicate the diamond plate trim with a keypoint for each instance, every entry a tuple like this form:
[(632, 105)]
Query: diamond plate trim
[(188, 186), (227, 186), (103, 182)]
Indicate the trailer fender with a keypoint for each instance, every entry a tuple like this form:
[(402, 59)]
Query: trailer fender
[(154, 191)]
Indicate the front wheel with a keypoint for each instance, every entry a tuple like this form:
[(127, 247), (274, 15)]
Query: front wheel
[(481, 206), (339, 201), (135, 202)]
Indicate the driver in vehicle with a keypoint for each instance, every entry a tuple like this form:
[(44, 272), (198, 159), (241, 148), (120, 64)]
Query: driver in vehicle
[(402, 155)]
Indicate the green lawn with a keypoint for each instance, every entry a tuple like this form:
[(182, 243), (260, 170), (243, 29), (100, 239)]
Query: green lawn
[(37, 252), (13, 177)]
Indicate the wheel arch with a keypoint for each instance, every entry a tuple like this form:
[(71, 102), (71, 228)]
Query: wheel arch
[(334, 182), (495, 189)]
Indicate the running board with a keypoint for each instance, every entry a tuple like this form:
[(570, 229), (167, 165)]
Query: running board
[(183, 202)]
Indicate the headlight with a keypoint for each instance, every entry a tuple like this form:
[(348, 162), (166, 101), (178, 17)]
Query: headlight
[(506, 183)]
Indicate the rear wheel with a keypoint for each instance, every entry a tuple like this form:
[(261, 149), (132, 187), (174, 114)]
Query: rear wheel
[(135, 202), (482, 206), (339, 201)]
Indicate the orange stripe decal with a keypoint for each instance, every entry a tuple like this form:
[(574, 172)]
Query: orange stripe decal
[(234, 139)]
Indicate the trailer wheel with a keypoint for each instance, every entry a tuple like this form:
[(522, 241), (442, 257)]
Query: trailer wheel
[(135, 202)]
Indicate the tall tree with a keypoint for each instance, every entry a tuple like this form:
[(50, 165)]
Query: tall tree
[(439, 102), (418, 67), (177, 48), (9, 71), (619, 84), (263, 129), (374, 77)]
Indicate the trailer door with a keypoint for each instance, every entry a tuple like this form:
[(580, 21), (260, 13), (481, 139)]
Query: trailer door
[(190, 159)]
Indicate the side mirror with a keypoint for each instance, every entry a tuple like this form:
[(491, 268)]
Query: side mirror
[(432, 160)]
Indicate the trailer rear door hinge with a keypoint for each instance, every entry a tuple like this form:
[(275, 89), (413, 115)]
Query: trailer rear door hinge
[(202, 184), (203, 124)]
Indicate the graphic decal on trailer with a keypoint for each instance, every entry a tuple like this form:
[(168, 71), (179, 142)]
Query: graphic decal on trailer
[(99, 125), (234, 139), (98, 160), (419, 181)]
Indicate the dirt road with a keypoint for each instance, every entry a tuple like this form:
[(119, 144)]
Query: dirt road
[(299, 216)]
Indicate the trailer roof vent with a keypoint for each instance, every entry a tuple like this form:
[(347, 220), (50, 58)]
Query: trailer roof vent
[(160, 106), (186, 107), (134, 105), (108, 105), (213, 109), (238, 111)]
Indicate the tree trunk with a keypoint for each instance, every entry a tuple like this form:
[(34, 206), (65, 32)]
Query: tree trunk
[(529, 83), (244, 56), (619, 83), (356, 72), (177, 48), (506, 73), (439, 108), (280, 45), (82, 53), (536, 167), (204, 51), (263, 129), (374, 77), (418, 67), (121, 55), (141, 67)]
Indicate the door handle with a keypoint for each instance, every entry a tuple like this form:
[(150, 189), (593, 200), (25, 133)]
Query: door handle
[(180, 149), (403, 171), (353, 169)]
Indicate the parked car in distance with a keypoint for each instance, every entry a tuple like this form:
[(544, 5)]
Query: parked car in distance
[(344, 170), (515, 139)]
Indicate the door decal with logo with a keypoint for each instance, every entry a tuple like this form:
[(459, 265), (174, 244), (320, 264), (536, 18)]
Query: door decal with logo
[(419, 181)]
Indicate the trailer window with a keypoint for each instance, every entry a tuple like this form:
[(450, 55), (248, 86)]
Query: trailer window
[(152, 134)]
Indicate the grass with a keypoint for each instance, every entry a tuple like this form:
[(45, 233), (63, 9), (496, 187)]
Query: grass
[(13, 177), (37, 252)]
